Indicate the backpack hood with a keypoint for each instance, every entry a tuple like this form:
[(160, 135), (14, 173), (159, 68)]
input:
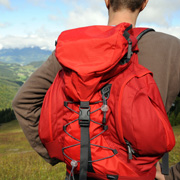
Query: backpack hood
[(89, 55)]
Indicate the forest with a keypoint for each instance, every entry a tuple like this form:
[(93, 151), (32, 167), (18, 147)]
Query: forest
[(6, 115), (174, 113)]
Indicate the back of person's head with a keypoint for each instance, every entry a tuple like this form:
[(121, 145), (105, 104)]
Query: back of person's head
[(132, 5)]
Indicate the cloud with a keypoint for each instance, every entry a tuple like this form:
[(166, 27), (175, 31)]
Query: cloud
[(41, 37), (86, 13), (4, 25), (40, 3), (85, 17), (159, 12), (53, 18), (170, 30), (6, 4), (36, 2), (26, 41)]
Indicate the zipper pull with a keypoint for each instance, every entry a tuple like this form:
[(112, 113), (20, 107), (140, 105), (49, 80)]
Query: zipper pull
[(130, 149), (129, 152)]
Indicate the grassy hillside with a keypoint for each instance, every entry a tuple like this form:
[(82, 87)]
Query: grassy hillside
[(175, 153), (12, 76), (20, 162), (16, 65), (7, 92)]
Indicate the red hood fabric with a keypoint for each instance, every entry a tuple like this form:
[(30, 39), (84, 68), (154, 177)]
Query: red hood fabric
[(89, 55)]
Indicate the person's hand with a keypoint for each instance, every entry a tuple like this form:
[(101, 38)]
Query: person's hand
[(159, 175)]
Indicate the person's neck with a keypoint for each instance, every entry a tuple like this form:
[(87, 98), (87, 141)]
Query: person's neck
[(124, 15)]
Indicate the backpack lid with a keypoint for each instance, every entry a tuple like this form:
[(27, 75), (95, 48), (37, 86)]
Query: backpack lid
[(93, 49), (89, 56)]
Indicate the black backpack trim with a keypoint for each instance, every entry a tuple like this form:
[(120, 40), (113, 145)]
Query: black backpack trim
[(144, 32)]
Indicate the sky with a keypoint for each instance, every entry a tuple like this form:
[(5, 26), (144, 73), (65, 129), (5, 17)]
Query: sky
[(29, 23)]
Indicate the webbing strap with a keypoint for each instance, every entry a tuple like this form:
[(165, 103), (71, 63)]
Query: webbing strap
[(90, 167), (142, 32), (165, 164), (84, 153), (126, 34)]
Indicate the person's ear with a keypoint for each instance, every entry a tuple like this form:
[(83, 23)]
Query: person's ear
[(107, 2), (144, 5)]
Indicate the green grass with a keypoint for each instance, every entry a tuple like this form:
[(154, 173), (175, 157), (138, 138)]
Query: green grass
[(7, 92), (18, 161), (175, 153)]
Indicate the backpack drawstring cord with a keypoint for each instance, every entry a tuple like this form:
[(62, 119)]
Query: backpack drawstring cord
[(74, 165)]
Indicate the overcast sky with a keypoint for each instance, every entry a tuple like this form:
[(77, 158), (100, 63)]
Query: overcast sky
[(25, 23)]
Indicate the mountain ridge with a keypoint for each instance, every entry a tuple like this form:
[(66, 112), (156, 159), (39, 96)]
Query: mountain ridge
[(24, 56)]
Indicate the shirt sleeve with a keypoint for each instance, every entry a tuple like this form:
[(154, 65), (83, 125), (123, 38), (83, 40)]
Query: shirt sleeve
[(174, 173), (28, 102)]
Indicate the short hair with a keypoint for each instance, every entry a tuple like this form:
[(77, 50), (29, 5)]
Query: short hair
[(133, 5)]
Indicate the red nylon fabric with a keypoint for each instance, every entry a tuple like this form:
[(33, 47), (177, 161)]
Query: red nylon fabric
[(100, 47), (99, 50), (90, 58)]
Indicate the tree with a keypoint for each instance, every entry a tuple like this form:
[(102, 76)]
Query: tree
[(174, 113), (7, 115)]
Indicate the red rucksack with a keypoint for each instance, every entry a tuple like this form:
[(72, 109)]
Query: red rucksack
[(103, 115)]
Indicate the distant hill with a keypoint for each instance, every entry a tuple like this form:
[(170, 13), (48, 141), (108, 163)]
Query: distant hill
[(24, 56), (16, 65), (12, 76)]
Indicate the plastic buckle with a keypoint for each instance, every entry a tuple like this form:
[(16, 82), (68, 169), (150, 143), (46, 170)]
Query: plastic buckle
[(129, 50), (84, 114)]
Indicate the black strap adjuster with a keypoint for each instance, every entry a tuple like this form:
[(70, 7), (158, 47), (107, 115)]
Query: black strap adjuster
[(84, 114)]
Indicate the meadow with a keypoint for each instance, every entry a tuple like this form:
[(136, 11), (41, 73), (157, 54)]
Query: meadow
[(18, 161)]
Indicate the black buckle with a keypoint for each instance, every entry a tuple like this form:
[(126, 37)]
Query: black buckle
[(55, 43), (84, 114), (129, 49)]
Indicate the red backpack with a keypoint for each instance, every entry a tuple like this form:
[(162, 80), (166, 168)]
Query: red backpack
[(103, 115)]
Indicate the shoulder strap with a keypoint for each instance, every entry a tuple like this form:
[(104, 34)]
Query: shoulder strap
[(140, 32), (165, 164)]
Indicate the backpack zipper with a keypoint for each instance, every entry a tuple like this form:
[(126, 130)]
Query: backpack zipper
[(131, 151)]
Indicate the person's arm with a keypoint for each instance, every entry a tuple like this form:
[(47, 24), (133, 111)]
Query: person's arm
[(174, 173), (28, 102), (159, 175)]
